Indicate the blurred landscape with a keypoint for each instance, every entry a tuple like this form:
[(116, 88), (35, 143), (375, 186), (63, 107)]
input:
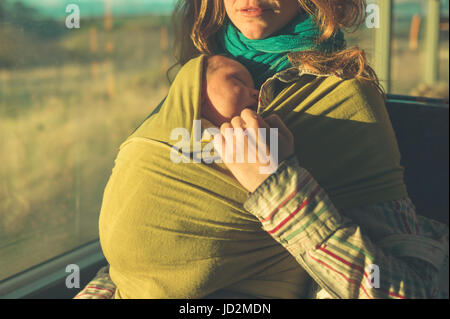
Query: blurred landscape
[(68, 98)]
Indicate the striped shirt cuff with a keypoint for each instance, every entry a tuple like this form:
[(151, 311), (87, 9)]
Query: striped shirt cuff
[(293, 208)]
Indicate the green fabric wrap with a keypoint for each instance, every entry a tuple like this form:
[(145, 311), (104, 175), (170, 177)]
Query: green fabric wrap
[(180, 230)]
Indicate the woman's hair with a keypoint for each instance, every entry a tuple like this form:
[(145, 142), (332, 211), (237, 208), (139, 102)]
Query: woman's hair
[(197, 22)]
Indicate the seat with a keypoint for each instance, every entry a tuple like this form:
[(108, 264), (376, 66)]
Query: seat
[(421, 127)]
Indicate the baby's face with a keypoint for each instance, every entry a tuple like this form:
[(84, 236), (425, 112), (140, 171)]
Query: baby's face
[(229, 90)]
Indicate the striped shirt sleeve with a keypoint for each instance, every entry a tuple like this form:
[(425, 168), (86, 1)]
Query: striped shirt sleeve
[(101, 287), (380, 251)]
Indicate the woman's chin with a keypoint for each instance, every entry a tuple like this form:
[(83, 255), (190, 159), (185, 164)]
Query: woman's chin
[(254, 30), (255, 34)]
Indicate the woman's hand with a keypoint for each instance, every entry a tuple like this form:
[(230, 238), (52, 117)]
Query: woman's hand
[(247, 153)]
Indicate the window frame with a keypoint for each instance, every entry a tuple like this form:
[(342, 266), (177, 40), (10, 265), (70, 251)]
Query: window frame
[(47, 280)]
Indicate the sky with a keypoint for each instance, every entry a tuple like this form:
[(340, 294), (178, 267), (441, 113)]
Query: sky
[(56, 8)]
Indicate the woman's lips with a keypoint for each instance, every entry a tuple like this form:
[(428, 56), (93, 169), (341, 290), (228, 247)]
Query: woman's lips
[(253, 11)]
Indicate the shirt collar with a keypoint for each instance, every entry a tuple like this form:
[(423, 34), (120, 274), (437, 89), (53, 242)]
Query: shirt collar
[(266, 94)]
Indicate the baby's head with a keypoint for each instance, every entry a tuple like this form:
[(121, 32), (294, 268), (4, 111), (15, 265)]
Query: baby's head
[(228, 89)]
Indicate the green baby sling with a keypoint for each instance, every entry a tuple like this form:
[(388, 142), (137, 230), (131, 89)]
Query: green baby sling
[(179, 230), (173, 230)]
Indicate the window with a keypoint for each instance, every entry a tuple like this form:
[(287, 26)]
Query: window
[(413, 45), (418, 60), (68, 98)]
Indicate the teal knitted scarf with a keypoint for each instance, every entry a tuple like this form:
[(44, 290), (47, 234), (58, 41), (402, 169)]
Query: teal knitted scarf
[(266, 57)]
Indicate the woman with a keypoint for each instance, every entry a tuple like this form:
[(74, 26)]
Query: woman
[(330, 98), (322, 250)]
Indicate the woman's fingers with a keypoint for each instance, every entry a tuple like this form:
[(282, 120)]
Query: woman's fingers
[(258, 139), (241, 139), (238, 122), (248, 152), (253, 120)]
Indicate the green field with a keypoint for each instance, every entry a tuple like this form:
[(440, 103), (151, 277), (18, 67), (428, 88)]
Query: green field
[(61, 124)]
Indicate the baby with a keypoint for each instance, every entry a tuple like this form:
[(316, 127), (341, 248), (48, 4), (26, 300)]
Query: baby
[(228, 89)]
